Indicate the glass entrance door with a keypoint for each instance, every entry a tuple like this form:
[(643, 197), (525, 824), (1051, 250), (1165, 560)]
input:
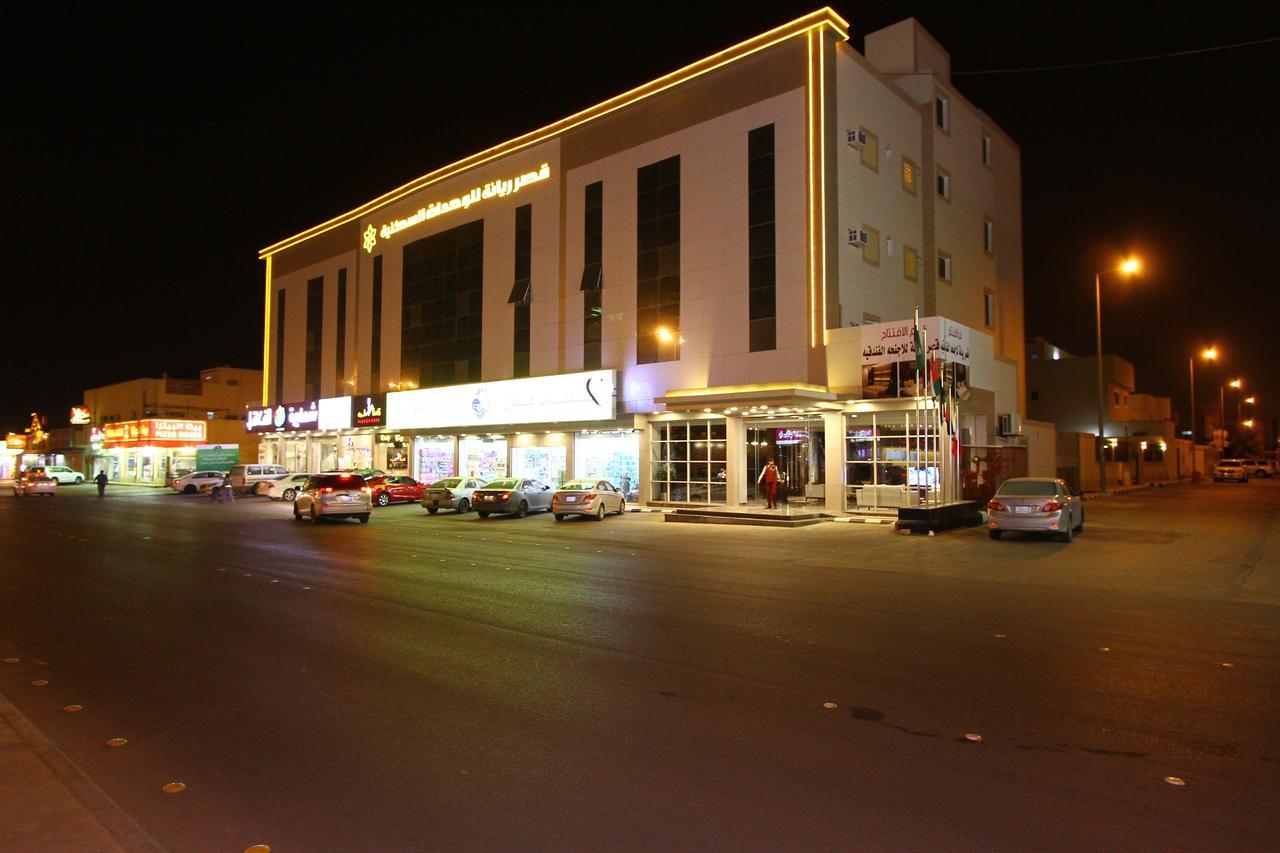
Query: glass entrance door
[(798, 448)]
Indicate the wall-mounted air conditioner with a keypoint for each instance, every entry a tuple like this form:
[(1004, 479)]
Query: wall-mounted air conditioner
[(1008, 424), (859, 237), (857, 139)]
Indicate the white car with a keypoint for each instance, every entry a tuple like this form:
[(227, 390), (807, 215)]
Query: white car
[(247, 478), (197, 481), (284, 487), (62, 474)]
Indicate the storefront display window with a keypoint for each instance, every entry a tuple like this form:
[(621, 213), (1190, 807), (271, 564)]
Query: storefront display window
[(483, 457), (688, 462), (433, 459), (356, 451), (612, 456), (545, 464), (328, 455), (891, 460)]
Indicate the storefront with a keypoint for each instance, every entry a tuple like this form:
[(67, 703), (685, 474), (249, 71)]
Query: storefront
[(146, 452), (11, 455)]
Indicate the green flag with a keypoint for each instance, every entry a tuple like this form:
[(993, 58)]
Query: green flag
[(919, 350)]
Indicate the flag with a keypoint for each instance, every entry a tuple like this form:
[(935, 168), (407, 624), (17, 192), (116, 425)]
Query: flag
[(919, 347)]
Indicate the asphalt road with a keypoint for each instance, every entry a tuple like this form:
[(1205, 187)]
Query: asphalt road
[(442, 682)]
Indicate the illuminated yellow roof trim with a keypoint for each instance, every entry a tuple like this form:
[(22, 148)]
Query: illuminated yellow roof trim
[(824, 17), (746, 389)]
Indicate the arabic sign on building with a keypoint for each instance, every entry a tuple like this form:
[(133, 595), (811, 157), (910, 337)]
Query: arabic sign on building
[(589, 396), (289, 417), (369, 410), (889, 356), (217, 457), (154, 432), (792, 436)]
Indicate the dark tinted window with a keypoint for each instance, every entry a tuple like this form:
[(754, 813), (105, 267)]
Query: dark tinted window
[(335, 481)]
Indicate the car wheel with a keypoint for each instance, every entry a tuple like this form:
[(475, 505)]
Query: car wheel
[(600, 512), (433, 510), (77, 481), (1065, 536), (559, 516), (384, 499), (314, 517), (290, 494), (364, 519), (483, 514), (522, 510), (464, 506), (995, 534), (189, 489), (622, 507), (297, 516)]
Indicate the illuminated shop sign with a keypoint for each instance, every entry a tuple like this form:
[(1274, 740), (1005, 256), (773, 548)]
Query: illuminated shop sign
[(154, 432), (294, 416), (335, 413), (13, 441), (80, 416), (792, 436), (589, 396), (369, 410), (493, 189)]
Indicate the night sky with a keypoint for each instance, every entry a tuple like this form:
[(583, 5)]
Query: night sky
[(149, 158)]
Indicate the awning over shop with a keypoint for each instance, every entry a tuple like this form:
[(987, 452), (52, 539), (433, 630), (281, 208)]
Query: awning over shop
[(729, 396)]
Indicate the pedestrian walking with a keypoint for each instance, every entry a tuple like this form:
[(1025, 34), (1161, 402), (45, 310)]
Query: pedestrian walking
[(223, 492), (101, 480), (769, 477)]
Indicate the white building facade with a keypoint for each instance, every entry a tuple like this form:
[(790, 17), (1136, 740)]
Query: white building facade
[(668, 288)]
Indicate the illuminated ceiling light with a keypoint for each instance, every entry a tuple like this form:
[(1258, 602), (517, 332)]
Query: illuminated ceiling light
[(664, 334)]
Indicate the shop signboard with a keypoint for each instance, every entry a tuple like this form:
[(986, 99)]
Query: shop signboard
[(889, 356), (572, 397), (290, 417), (792, 436), (217, 457), (13, 441), (80, 415), (335, 413), (155, 432), (369, 410)]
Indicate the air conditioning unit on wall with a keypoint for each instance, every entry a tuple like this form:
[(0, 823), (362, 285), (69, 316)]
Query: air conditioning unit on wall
[(859, 237), (1008, 424), (857, 139)]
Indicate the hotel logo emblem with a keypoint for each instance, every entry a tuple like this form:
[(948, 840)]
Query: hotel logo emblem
[(370, 239)]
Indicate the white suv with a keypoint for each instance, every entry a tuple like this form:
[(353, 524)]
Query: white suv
[(245, 478), (62, 474)]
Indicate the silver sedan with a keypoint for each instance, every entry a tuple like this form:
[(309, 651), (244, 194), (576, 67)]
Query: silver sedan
[(1035, 504), (450, 493), (513, 495), (595, 498)]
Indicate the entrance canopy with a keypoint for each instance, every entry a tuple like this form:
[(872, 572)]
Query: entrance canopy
[(734, 398)]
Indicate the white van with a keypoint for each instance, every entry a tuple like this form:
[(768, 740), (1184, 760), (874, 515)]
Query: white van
[(245, 478)]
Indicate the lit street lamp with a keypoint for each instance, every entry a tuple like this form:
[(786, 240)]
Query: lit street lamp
[(1209, 354), (1129, 267)]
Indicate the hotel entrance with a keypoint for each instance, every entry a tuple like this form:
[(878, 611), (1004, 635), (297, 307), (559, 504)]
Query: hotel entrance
[(798, 447)]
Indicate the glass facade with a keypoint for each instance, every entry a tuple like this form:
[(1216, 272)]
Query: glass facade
[(761, 242), (689, 461), (340, 358), (891, 459), (484, 457), (593, 276), (314, 339), (375, 332), (433, 459), (612, 456), (547, 465), (443, 303), (658, 262), (522, 291)]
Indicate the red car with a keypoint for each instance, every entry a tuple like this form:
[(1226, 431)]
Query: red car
[(387, 490)]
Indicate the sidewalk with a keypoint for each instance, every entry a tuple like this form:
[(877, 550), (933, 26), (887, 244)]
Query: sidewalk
[(1136, 487), (48, 804)]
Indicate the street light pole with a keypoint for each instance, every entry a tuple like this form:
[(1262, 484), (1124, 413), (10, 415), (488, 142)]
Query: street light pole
[(1102, 459), (1191, 364)]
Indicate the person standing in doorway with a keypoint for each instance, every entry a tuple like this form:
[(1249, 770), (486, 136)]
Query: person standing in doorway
[(769, 477), (101, 480)]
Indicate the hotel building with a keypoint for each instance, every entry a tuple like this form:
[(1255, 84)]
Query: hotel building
[(669, 288)]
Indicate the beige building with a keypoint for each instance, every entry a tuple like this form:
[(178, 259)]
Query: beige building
[(713, 251)]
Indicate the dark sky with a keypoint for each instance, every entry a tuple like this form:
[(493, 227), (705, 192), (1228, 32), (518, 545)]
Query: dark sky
[(149, 158)]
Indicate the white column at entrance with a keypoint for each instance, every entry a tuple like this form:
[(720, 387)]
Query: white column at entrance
[(837, 447), (736, 469), (646, 468)]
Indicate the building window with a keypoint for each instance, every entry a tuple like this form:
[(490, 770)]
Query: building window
[(593, 277), (279, 347), (944, 184), (910, 264), (871, 251), (944, 266), (908, 176), (340, 362), (1116, 395), (315, 338), (443, 305), (942, 112), (688, 462), (986, 149), (658, 262), (988, 235), (871, 151), (375, 333), (522, 290), (989, 308), (762, 271)]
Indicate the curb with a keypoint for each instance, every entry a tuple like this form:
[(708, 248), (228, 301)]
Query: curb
[(80, 792), (1124, 490)]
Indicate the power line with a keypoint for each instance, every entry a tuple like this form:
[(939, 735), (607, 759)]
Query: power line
[(1100, 63)]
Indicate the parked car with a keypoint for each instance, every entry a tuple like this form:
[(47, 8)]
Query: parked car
[(387, 490), (1230, 469), (1256, 467), (450, 493), (512, 495), (60, 473), (197, 481), (333, 496), (587, 497), (36, 483), (1035, 504), (284, 487), (245, 478)]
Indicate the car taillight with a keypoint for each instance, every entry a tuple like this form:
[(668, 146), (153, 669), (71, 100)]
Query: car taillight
[(366, 490), (590, 496), (327, 489), (996, 505), (448, 494), (557, 496), (506, 496), (1051, 506)]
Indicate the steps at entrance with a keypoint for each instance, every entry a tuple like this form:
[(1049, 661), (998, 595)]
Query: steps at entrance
[(757, 519)]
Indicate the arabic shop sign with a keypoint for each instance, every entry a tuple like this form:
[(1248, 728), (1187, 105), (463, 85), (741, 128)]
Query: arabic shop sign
[(792, 436), (493, 189), (589, 396), (889, 356), (217, 457), (294, 416), (368, 410), (154, 432)]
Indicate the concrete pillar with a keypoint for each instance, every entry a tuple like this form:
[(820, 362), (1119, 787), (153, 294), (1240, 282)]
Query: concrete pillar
[(736, 469), (833, 428), (646, 456)]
